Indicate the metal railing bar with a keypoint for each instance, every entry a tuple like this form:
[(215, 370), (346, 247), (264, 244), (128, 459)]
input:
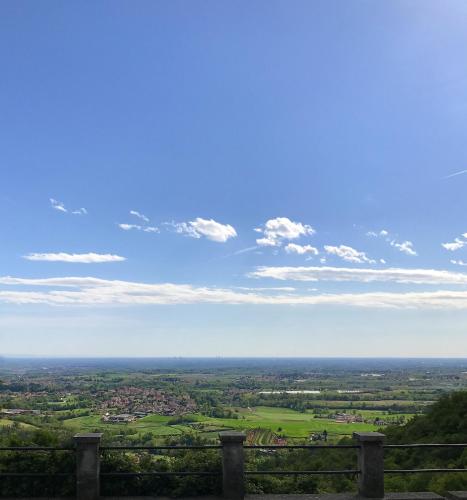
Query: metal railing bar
[(171, 473), (37, 474), (416, 471), (150, 448), (427, 445), (301, 446), (300, 472), (34, 448)]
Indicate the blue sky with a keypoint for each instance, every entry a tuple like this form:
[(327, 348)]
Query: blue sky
[(265, 178)]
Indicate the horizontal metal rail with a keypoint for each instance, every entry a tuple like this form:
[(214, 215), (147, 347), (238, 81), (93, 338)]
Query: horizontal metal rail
[(154, 448), (155, 473), (416, 471), (301, 472), (37, 474), (34, 448), (426, 445), (300, 447)]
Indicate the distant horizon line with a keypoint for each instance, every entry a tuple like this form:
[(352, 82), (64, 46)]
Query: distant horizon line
[(33, 356)]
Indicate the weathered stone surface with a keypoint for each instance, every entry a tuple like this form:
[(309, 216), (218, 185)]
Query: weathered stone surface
[(370, 464), (233, 481), (457, 495), (87, 466), (420, 495)]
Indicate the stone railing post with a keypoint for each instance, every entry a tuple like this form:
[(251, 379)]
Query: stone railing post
[(233, 465), (371, 464), (87, 466)]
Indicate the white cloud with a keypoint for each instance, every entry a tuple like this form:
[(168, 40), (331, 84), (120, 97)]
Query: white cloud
[(383, 233), (455, 245), (137, 227), (404, 247), (212, 230), (80, 211), (139, 215), (58, 205), (301, 249), (129, 227), (458, 262), (83, 258), (396, 275), (275, 231), (267, 288), (94, 292), (348, 254), (266, 242), (209, 228)]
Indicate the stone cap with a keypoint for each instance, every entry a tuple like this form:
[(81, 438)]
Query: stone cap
[(365, 437), (89, 437), (232, 437)]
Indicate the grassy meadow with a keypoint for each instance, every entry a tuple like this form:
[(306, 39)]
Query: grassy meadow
[(285, 422)]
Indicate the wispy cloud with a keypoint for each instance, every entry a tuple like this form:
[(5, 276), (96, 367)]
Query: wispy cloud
[(82, 258), (138, 227), (277, 230), (139, 215), (456, 244), (209, 228), (458, 262), (57, 205), (404, 246), (396, 275), (95, 292), (349, 254), (143, 226), (383, 233), (244, 250), (60, 207), (80, 211), (455, 174)]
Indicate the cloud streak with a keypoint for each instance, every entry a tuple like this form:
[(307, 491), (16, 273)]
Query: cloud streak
[(88, 291), (137, 227), (81, 258), (395, 275), (139, 215), (455, 174), (60, 207)]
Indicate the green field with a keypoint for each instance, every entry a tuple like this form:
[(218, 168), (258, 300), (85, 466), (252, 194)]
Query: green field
[(289, 423), (4, 422)]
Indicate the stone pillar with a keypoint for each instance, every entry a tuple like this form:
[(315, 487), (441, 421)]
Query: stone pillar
[(87, 466), (371, 464), (233, 464)]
